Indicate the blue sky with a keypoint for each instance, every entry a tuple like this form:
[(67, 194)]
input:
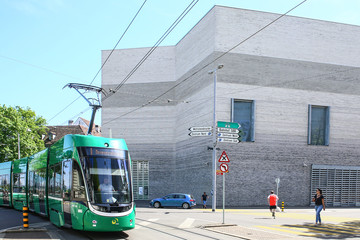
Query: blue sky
[(46, 44)]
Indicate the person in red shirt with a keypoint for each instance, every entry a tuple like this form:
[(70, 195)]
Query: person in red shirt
[(272, 200)]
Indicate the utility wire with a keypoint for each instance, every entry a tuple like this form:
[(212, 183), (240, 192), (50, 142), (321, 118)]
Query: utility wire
[(40, 67), (137, 13), (206, 65), (152, 49)]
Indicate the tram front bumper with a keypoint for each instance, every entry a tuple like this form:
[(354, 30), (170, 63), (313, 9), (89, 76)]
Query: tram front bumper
[(97, 223)]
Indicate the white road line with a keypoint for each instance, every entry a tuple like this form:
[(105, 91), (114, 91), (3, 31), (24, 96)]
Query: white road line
[(187, 223), (145, 223)]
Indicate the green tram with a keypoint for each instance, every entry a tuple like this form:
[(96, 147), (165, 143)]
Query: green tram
[(83, 182)]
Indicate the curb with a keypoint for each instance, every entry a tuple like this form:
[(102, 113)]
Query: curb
[(21, 230)]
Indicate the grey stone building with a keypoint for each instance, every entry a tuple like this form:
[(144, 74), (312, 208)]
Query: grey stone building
[(293, 87)]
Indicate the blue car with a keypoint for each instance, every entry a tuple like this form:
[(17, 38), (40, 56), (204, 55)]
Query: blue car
[(174, 200)]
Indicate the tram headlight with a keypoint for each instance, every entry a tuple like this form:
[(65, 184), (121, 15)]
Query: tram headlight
[(98, 208)]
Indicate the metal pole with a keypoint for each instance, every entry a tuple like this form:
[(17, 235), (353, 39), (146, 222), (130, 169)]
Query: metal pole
[(223, 198), (214, 149), (19, 145), (92, 119)]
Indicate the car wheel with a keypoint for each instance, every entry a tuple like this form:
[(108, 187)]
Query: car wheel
[(157, 205), (186, 206)]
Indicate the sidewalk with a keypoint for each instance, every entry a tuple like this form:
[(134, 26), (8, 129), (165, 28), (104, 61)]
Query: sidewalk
[(35, 231)]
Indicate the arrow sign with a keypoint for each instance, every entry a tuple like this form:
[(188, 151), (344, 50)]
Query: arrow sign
[(228, 125), (228, 140), (228, 130), (200, 129), (228, 135), (200, 134)]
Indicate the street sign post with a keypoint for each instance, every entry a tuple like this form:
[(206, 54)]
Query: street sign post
[(228, 140), (228, 125), (227, 130), (200, 129), (200, 134), (228, 135)]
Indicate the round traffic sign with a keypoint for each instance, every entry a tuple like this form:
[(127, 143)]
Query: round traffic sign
[(224, 167)]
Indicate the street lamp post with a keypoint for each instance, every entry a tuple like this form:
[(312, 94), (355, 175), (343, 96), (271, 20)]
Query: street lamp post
[(214, 141), (18, 146), (29, 130)]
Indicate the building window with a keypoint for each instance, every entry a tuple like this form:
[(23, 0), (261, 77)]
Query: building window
[(318, 126), (243, 112)]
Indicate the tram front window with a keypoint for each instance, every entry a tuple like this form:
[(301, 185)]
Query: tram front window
[(108, 177)]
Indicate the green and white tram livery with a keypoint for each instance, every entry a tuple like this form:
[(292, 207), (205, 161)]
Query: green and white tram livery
[(83, 182)]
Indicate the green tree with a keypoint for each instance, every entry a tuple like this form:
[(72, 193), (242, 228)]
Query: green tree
[(20, 123)]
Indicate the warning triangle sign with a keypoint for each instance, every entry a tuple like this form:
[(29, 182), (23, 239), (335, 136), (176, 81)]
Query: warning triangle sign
[(224, 157)]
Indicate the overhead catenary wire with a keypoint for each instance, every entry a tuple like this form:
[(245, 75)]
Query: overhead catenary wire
[(102, 66), (152, 49), (211, 62), (161, 39), (133, 19)]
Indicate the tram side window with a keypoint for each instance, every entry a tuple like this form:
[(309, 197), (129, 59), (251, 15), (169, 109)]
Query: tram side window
[(51, 181), (1, 184), (40, 182), (57, 176), (66, 172), (78, 183), (4, 184), (31, 182), (19, 183)]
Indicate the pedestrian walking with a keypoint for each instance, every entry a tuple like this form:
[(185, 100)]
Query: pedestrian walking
[(204, 198), (319, 204), (272, 200)]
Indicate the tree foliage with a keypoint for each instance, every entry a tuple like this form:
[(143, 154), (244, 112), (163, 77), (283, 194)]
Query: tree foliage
[(24, 124)]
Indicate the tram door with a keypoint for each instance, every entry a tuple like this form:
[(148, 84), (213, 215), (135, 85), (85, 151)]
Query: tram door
[(67, 173)]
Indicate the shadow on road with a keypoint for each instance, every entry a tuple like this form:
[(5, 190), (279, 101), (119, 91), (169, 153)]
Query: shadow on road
[(344, 230)]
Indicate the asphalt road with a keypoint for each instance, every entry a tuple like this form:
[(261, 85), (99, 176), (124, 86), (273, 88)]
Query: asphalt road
[(198, 224)]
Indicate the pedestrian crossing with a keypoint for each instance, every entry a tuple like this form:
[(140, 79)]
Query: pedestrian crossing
[(187, 223)]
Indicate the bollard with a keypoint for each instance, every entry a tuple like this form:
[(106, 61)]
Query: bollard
[(25, 217), (282, 206)]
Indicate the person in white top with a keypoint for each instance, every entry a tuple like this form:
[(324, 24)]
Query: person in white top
[(106, 187)]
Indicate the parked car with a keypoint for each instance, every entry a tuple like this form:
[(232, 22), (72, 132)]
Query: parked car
[(174, 200)]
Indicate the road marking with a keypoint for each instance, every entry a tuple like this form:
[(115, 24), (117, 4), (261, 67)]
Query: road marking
[(144, 223), (187, 223), (284, 230)]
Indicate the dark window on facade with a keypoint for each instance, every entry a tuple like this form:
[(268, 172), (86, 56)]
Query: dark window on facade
[(318, 126), (243, 112)]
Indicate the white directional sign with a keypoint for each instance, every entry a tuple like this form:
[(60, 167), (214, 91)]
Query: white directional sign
[(200, 134), (228, 130), (200, 129), (228, 135), (228, 140)]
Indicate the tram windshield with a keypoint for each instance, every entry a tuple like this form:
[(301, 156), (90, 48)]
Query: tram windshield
[(107, 173)]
